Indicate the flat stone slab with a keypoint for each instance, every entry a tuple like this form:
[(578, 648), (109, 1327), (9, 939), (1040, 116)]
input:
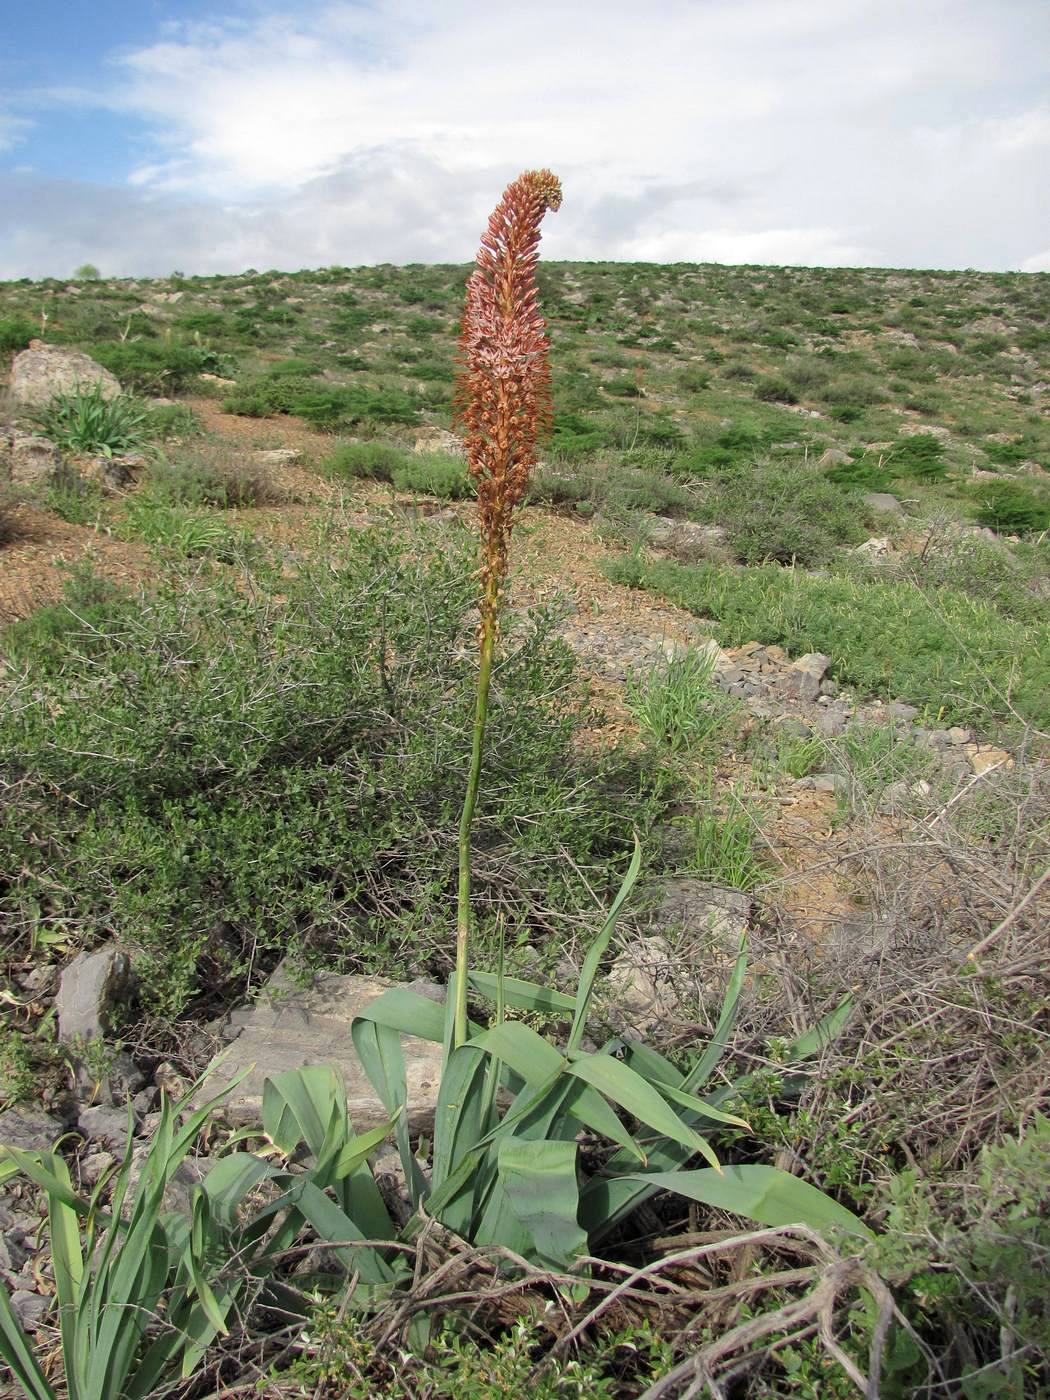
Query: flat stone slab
[(291, 1026)]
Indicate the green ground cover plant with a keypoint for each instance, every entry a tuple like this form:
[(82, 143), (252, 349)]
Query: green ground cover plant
[(274, 760), (1014, 507), (957, 655)]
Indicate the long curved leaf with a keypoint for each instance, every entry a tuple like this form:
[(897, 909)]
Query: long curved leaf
[(596, 952), (17, 1353), (526, 996), (627, 1088), (765, 1194), (538, 1189), (698, 1076), (378, 1047)]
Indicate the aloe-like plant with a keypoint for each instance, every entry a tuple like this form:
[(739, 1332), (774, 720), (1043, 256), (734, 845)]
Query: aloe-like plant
[(84, 420), (143, 1301), (140, 1288)]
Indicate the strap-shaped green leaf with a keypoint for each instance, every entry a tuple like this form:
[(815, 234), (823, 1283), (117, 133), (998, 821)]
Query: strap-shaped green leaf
[(700, 1073), (700, 1108), (231, 1180), (526, 996), (764, 1194), (650, 1065), (67, 1258), (17, 1353), (627, 1088), (596, 952), (823, 1034), (332, 1224), (524, 1049), (378, 1047), (297, 1107), (407, 1012), (540, 1190)]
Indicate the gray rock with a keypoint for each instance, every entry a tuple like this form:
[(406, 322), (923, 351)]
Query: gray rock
[(825, 782), (882, 500), (145, 1101), (685, 539), (34, 460), (108, 1126), (695, 907), (43, 371), (39, 980), (124, 1079), (28, 1128), (904, 713), (876, 549), (113, 474), (29, 1308), (94, 1165), (438, 440), (639, 992), (926, 430), (88, 989), (834, 457), (291, 1026), (832, 721), (279, 457), (806, 674)]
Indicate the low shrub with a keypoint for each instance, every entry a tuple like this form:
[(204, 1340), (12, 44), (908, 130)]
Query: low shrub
[(183, 531), (781, 511), (920, 456), (735, 447), (173, 421), (1013, 581), (8, 521), (434, 474), (1013, 507), (772, 389), (325, 406), (937, 647), (614, 488), (574, 437), (73, 498), (865, 473), (15, 333), (210, 474), (157, 366), (282, 783), (374, 460)]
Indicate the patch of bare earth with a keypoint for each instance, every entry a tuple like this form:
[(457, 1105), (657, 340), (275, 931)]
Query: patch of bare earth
[(35, 565)]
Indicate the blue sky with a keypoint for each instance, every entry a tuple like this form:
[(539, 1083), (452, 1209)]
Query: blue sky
[(210, 137)]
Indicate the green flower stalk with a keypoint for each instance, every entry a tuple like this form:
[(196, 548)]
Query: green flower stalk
[(503, 404)]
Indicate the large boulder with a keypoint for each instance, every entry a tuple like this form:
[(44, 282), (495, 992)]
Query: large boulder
[(28, 460), (291, 1026), (88, 990), (43, 371)]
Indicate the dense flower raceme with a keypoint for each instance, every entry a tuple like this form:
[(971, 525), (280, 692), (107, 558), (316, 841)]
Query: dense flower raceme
[(503, 397)]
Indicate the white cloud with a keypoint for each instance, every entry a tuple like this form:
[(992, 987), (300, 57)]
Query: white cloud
[(873, 132), (13, 130)]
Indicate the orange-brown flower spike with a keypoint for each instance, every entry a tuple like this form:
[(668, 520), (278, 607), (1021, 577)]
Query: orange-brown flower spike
[(503, 402), (503, 395)]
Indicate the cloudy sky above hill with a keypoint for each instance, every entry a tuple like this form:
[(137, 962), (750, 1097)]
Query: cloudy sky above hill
[(149, 136)]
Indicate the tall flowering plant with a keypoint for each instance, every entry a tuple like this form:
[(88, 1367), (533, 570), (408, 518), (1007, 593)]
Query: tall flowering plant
[(503, 404)]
